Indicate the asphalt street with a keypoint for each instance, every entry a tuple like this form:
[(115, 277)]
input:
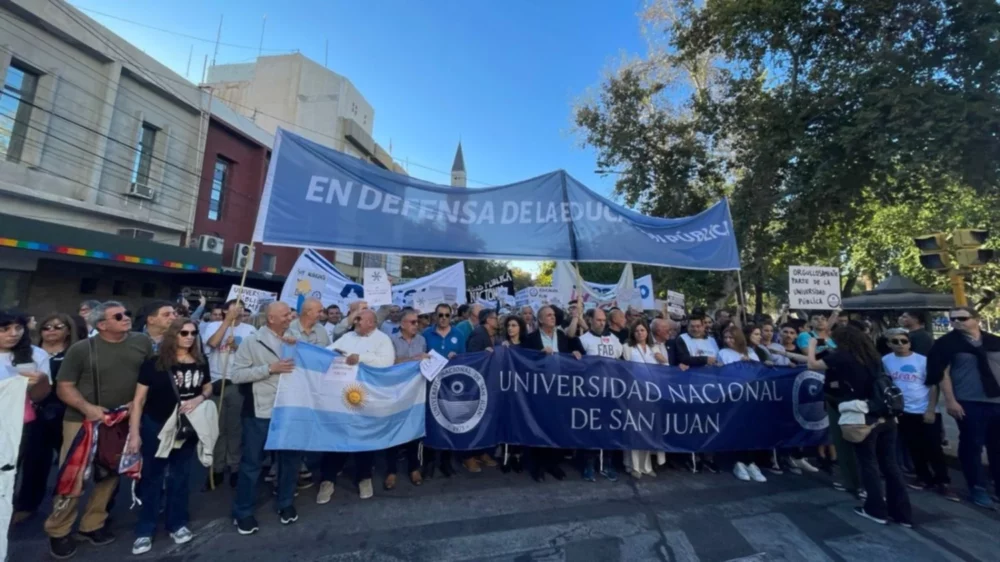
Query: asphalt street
[(676, 517)]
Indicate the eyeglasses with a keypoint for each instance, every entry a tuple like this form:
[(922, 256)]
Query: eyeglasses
[(119, 316), (53, 327), (960, 318), (896, 341), (444, 315), (186, 333)]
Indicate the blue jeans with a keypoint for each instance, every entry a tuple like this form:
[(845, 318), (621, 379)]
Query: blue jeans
[(176, 469), (254, 437), (980, 427)]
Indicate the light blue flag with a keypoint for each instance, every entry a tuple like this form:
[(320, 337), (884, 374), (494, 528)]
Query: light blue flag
[(326, 405)]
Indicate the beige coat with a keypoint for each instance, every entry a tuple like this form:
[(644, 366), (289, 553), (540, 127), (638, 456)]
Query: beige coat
[(251, 364)]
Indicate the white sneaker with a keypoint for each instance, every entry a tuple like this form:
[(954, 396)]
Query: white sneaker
[(365, 488), (142, 545), (756, 474), (272, 474), (804, 465), (740, 472), (325, 493), (182, 535)]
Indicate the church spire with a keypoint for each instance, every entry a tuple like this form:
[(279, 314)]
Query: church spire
[(458, 168)]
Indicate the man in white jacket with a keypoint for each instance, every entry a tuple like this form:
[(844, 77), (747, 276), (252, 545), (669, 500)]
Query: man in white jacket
[(365, 344)]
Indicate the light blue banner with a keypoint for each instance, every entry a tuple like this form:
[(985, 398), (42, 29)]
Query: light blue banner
[(320, 198)]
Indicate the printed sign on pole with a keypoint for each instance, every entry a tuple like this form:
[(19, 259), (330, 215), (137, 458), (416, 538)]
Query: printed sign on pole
[(675, 303), (378, 289), (251, 298), (428, 300), (813, 287)]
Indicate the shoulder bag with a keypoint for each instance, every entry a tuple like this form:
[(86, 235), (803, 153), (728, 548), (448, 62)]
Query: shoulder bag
[(110, 438)]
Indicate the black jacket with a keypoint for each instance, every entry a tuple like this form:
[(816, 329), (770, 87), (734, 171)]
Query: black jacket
[(566, 343), (683, 355), (954, 342), (479, 340)]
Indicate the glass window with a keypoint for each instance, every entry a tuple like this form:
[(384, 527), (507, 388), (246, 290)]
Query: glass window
[(16, 102), (268, 262), (220, 179), (143, 154)]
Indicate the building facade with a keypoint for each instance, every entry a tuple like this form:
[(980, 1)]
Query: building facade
[(300, 95)]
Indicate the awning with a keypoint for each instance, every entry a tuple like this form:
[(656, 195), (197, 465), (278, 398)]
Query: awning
[(898, 293), (79, 243)]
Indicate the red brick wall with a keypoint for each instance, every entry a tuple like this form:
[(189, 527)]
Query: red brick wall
[(241, 198)]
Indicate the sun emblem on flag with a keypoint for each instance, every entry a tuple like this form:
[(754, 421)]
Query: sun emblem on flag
[(355, 396)]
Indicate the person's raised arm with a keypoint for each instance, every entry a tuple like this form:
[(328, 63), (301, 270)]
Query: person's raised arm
[(811, 361)]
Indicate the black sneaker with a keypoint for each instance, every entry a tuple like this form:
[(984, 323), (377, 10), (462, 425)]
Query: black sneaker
[(288, 515), (62, 548), (861, 511), (99, 537), (247, 525), (234, 477)]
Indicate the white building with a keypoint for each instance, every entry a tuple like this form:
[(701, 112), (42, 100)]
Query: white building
[(302, 96), (93, 132)]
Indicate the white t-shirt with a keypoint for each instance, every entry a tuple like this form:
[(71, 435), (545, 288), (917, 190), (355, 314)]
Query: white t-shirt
[(602, 346), (909, 374), (38, 357), (225, 352), (727, 356), (700, 347)]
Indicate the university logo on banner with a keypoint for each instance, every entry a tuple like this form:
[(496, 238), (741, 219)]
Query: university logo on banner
[(459, 398)]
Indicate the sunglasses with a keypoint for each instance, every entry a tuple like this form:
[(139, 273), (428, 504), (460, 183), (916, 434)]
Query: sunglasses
[(53, 327), (899, 342), (960, 318), (119, 316), (444, 315), (186, 333)]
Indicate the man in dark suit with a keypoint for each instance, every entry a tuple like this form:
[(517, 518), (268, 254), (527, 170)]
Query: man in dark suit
[(548, 339)]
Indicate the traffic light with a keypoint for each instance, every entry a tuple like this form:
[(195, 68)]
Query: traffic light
[(969, 238), (974, 257), (933, 252)]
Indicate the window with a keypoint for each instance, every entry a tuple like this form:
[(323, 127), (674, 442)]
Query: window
[(15, 110), (148, 290), (88, 285), (268, 263), (143, 154), (220, 177), (119, 288)]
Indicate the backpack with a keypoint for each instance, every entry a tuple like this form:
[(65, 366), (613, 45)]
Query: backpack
[(887, 398)]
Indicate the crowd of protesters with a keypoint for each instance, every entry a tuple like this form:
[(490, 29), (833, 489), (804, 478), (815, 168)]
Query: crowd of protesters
[(167, 369)]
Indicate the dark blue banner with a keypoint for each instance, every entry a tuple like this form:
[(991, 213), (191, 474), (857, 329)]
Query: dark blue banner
[(522, 397)]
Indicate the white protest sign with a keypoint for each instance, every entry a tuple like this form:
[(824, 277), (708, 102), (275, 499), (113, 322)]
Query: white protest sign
[(675, 303), (428, 300), (378, 289), (813, 287), (431, 366), (251, 298)]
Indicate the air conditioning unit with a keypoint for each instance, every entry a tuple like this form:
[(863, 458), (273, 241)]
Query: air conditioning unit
[(212, 244), (141, 190), (136, 233), (242, 256)]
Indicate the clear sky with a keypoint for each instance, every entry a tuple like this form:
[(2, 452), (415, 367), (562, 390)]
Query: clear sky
[(502, 76)]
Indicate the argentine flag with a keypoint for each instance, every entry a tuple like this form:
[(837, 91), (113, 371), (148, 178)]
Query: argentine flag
[(326, 405)]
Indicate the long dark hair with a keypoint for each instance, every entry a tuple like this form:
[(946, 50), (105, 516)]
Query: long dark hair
[(631, 333), (854, 342), (65, 320), (168, 347), (761, 350), (21, 352), (520, 324)]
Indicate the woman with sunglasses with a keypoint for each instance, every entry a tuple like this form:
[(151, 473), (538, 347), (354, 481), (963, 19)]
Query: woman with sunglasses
[(44, 436), (176, 379), (17, 353), (916, 425)]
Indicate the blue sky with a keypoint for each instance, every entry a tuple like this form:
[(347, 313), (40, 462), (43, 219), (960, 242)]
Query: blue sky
[(501, 76)]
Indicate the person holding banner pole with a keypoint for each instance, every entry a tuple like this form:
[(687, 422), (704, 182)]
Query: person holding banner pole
[(640, 349), (549, 339), (600, 343)]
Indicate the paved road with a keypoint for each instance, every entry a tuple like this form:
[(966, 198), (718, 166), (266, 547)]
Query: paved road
[(676, 517)]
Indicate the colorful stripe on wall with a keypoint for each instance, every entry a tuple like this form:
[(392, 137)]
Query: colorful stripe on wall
[(96, 254)]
